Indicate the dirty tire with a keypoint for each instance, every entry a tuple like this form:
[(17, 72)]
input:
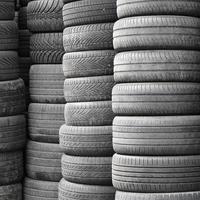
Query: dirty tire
[(158, 65), (88, 37), (97, 113), (24, 43), (86, 140), (24, 63), (7, 9), (45, 121), (43, 161), (157, 32), (46, 83), (85, 89), (87, 170), (173, 98), (67, 190), (11, 192)]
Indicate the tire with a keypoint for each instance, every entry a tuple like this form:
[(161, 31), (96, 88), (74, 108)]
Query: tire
[(46, 84), (44, 49), (128, 8), (11, 167), (98, 113), (45, 16), (9, 68), (37, 190), (45, 121), (88, 63), (25, 63), (8, 36), (24, 43), (12, 97), (89, 12), (161, 65), (156, 174), (11, 192), (86, 140), (23, 18), (85, 89), (87, 170), (166, 98), (43, 161), (88, 37), (67, 190), (157, 32), (157, 136), (7, 9), (24, 2), (12, 133), (166, 196)]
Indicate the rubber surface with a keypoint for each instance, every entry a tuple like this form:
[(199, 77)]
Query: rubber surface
[(24, 43), (23, 18), (7, 9), (24, 67)]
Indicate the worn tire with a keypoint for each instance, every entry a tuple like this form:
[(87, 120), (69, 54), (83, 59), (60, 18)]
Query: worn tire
[(45, 16), (46, 84), (11, 192), (67, 190), (97, 113), (85, 89), (86, 140), (44, 49), (158, 65), (37, 190), (157, 32), (7, 9), (45, 121), (88, 37), (89, 12), (88, 63), (12, 97), (43, 161), (24, 63), (165, 98), (24, 43)]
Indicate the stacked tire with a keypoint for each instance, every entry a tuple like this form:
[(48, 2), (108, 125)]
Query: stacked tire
[(156, 100), (12, 107), (43, 153), (86, 136)]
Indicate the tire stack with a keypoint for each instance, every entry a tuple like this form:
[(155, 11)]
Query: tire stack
[(43, 154), (12, 107), (86, 136), (156, 134)]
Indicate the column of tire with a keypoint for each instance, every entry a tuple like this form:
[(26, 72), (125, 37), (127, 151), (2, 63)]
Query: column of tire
[(12, 107), (43, 154), (86, 136), (156, 134)]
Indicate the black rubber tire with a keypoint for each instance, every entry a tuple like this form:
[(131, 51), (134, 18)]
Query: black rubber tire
[(46, 84), (24, 2), (157, 32), (44, 49), (67, 190), (86, 140), (97, 113), (97, 88), (89, 12), (37, 190), (24, 43), (11, 192), (164, 135), (87, 170), (88, 63), (45, 16), (45, 121), (128, 8), (12, 133), (8, 35), (156, 174), (158, 65), (12, 97), (9, 68), (24, 63), (7, 9), (23, 18), (167, 98), (11, 167), (88, 37), (43, 161)]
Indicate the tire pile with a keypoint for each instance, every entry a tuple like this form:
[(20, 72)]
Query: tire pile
[(12, 107), (156, 134), (43, 154), (86, 136)]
